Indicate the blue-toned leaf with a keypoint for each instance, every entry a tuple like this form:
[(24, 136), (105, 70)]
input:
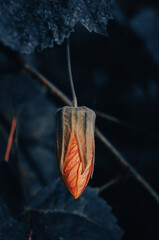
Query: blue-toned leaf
[(29, 25)]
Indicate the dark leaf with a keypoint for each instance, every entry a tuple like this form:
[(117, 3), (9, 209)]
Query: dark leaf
[(59, 225), (10, 191), (35, 156), (25, 90), (88, 217), (18, 89), (29, 25), (54, 213), (145, 25), (32, 159), (11, 203)]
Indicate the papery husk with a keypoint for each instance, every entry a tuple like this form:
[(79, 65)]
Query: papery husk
[(79, 122)]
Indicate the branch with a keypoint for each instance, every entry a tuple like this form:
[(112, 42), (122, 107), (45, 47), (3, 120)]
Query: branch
[(10, 139), (126, 165), (109, 184), (123, 162), (46, 83), (126, 124), (54, 90)]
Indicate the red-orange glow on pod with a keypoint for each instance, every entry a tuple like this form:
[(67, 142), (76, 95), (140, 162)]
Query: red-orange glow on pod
[(75, 147)]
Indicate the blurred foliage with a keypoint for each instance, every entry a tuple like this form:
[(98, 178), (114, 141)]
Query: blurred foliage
[(117, 75), (54, 214), (29, 25)]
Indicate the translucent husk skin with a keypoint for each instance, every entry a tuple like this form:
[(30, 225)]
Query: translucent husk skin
[(75, 146)]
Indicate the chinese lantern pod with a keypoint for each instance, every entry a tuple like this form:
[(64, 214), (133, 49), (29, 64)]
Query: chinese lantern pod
[(75, 146)]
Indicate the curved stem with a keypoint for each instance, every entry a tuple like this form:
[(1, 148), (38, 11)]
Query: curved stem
[(70, 74), (55, 91), (10, 139), (126, 124), (109, 184), (46, 83), (125, 164)]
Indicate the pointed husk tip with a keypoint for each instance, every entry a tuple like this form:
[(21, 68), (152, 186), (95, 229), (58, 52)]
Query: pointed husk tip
[(75, 147)]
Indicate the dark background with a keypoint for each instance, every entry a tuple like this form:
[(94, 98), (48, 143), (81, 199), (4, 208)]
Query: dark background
[(118, 75)]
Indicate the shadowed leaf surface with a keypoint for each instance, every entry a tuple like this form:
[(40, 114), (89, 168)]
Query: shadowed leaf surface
[(36, 159), (29, 25), (10, 191), (54, 214), (25, 90), (89, 210), (145, 25), (11, 203), (121, 76)]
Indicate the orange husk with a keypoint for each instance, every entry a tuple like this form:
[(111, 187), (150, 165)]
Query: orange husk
[(10, 139), (75, 180), (75, 147)]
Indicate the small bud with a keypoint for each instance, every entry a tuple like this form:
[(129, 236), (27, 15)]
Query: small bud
[(75, 147)]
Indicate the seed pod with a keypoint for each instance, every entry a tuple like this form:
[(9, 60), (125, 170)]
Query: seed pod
[(75, 147)]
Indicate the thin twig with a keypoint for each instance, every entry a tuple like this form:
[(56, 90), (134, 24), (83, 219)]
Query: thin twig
[(109, 184), (107, 116), (70, 74), (126, 165), (126, 124), (107, 143), (10, 139), (34, 73)]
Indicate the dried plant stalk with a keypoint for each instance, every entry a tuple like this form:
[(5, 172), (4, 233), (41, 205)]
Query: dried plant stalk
[(75, 147), (10, 139)]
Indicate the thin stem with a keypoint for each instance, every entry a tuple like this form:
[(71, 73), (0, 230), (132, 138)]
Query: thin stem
[(10, 139), (101, 137), (126, 124), (126, 165), (109, 184), (45, 82), (55, 91), (70, 74)]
